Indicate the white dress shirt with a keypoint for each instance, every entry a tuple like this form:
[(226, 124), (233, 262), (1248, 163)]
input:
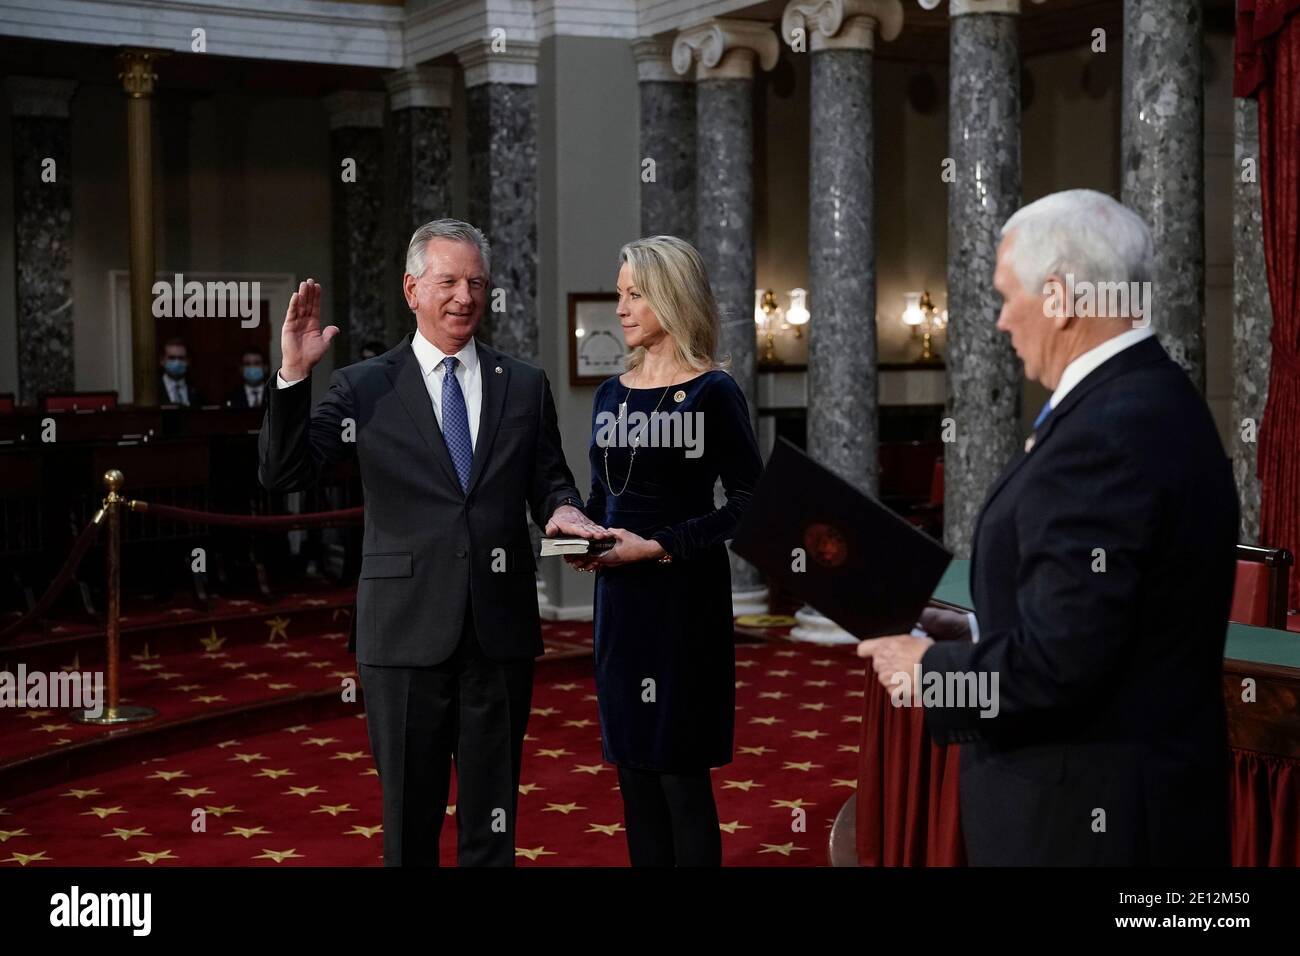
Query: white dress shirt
[(177, 393), (253, 393), (430, 358)]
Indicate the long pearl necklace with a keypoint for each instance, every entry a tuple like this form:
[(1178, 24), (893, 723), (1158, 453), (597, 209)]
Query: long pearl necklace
[(636, 440)]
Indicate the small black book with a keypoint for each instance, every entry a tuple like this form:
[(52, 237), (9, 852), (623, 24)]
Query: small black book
[(843, 552), (558, 546)]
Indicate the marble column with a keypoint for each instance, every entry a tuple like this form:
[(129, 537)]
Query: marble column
[(723, 54), (984, 376), (42, 174), (419, 167), (839, 35), (501, 113), (1252, 316), (359, 252), (1162, 156), (667, 141)]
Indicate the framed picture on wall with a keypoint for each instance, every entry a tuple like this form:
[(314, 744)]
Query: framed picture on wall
[(596, 347)]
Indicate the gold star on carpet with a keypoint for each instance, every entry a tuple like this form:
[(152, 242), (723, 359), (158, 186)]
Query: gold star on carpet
[(842, 782), (806, 765), (746, 785), (560, 752), (851, 719), (317, 665), (302, 791), (732, 827), (6, 834), (785, 849), (858, 672), (228, 743), (369, 772), (151, 858), (335, 810), (281, 686), (349, 755), (609, 829), (773, 694), (82, 794), (808, 734), (279, 856), (51, 728), (255, 675), (296, 654), (36, 714), (342, 674), (297, 728), (279, 628), (855, 693), (779, 673), (788, 804), (22, 859), (125, 834), (212, 643), (578, 723), (208, 699), (742, 683), (186, 688), (569, 686), (527, 788), (102, 812), (193, 792), (817, 707), (565, 808), (168, 675), (313, 602), (590, 697), (167, 775), (248, 832), (591, 768), (144, 654), (746, 663), (818, 683), (366, 832), (766, 721), (848, 748), (233, 665), (222, 811), (246, 758), (756, 751), (273, 774), (786, 654), (533, 854), (544, 711), (147, 667)]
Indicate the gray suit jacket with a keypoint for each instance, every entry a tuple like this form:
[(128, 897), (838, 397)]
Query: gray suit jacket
[(430, 551)]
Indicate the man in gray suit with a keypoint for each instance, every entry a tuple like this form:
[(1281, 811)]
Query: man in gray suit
[(453, 440)]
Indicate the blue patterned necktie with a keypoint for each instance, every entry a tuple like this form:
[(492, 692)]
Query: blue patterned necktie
[(455, 422), (1042, 415)]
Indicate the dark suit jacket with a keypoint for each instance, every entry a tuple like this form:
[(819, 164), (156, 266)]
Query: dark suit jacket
[(1110, 681), (430, 551), (239, 397), (193, 394)]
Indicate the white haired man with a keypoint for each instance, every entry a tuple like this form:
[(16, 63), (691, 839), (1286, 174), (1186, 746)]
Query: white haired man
[(1101, 572)]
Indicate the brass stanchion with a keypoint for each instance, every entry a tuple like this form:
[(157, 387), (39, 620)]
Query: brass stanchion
[(115, 712)]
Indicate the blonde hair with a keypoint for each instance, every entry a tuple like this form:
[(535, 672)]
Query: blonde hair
[(672, 279)]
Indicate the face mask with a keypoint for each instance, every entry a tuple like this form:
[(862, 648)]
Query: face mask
[(253, 374), (176, 367)]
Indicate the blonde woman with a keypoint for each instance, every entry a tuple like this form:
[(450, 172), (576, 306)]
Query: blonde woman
[(663, 433)]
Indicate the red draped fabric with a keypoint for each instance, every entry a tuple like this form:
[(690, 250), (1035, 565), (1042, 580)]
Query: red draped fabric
[(908, 812), (1268, 68)]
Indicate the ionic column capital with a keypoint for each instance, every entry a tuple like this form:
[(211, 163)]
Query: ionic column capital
[(420, 86), (654, 60), (840, 24), (725, 49), (961, 8), (516, 64)]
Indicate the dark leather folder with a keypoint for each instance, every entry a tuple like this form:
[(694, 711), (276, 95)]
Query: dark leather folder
[(816, 536)]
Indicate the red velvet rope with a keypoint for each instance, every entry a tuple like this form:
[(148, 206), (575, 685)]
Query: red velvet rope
[(79, 549), (315, 519)]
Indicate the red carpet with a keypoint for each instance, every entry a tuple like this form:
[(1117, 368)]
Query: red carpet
[(309, 796)]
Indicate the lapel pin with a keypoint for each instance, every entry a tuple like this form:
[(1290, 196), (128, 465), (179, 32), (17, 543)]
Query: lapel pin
[(679, 395), (497, 370)]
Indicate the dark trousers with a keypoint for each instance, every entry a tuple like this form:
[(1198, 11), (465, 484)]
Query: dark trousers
[(470, 710), (671, 818)]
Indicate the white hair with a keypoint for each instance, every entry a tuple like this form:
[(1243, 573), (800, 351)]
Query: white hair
[(1080, 232), (445, 229)]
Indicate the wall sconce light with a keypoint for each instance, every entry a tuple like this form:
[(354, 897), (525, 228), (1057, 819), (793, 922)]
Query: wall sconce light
[(772, 320), (920, 315)]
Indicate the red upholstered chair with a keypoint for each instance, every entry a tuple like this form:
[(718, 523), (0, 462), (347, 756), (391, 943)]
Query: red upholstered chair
[(1259, 595), (78, 401), (6, 403)]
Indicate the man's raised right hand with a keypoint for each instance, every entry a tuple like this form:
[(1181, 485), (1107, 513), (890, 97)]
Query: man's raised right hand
[(302, 340)]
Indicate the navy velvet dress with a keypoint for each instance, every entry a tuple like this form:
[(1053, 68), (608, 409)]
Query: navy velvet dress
[(665, 656)]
